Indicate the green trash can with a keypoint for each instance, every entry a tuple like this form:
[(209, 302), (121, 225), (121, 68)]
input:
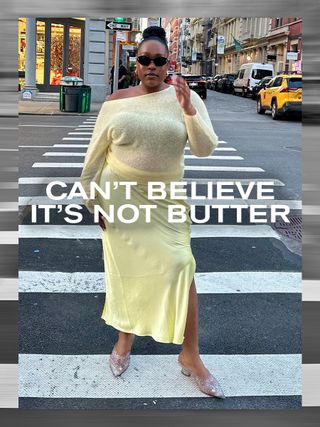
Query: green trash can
[(84, 99), (74, 95)]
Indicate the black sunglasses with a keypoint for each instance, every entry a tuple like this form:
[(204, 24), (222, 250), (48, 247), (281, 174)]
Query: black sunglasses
[(159, 61)]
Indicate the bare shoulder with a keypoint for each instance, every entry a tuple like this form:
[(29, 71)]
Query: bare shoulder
[(121, 93)]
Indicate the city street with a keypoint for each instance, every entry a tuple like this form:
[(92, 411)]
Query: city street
[(248, 278)]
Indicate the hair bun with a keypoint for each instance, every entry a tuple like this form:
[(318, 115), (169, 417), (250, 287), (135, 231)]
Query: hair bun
[(154, 31)]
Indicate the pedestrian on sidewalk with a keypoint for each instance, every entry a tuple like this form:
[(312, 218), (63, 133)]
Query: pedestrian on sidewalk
[(140, 136), (122, 74)]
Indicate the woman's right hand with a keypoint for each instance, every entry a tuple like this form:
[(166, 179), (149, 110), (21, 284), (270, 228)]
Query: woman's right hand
[(102, 222)]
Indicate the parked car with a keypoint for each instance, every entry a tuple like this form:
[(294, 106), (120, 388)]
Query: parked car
[(214, 81), (282, 95), (261, 85), (249, 75), (209, 82), (197, 83), (225, 83)]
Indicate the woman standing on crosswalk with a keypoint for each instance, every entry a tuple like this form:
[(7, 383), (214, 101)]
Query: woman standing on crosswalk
[(140, 136)]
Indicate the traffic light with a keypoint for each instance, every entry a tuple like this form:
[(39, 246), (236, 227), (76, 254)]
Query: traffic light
[(119, 19)]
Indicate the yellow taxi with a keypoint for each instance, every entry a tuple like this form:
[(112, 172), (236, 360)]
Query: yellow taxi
[(282, 95)]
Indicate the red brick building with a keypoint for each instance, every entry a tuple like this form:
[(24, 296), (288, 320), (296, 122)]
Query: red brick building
[(286, 36)]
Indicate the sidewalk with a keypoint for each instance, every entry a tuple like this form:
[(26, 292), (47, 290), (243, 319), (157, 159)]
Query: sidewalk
[(52, 108)]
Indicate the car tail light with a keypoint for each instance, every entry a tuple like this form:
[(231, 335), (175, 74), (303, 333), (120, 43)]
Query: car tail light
[(288, 89)]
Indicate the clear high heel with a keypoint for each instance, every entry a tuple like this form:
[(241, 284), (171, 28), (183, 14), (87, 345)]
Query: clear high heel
[(118, 363), (208, 385)]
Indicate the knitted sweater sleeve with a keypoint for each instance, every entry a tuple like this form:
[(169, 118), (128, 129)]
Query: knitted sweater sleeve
[(95, 156), (202, 139)]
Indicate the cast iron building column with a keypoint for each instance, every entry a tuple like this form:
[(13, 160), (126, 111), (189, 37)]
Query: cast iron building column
[(30, 89)]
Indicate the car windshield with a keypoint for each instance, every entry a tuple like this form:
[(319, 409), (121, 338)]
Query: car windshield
[(295, 83), (264, 81), (230, 76), (259, 74)]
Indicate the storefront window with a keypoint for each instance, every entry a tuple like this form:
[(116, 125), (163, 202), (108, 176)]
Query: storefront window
[(74, 51), (56, 54)]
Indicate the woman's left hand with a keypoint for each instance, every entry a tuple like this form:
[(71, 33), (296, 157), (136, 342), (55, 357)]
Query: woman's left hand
[(183, 94)]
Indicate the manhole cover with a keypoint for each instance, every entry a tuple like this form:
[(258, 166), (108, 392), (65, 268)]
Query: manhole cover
[(292, 229)]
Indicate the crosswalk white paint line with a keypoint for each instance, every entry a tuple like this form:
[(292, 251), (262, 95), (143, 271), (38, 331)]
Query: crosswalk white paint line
[(80, 133), (186, 156), (187, 167), (85, 126), (67, 138), (35, 146), (214, 181), (225, 149), (71, 145), (225, 282), (88, 376), (225, 168), (57, 165), (87, 145), (9, 238), (62, 154), (292, 204), (48, 126), (72, 179), (71, 231)]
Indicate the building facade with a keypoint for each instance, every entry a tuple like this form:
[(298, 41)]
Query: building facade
[(50, 48)]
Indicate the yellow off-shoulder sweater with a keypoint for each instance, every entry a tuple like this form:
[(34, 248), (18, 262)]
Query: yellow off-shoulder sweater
[(148, 132)]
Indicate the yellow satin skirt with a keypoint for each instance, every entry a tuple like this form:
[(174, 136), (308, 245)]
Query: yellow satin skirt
[(149, 266)]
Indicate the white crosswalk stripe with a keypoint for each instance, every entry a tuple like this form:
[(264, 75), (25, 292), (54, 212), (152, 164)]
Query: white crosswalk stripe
[(71, 179), (242, 375), (61, 154), (36, 231), (226, 282), (187, 167)]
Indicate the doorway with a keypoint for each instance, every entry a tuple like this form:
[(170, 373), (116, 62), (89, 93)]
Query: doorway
[(59, 51)]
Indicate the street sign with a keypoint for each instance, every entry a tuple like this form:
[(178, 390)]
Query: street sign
[(123, 26), (292, 56), (121, 36), (220, 45)]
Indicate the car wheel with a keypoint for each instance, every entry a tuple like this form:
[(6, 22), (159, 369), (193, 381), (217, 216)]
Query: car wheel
[(204, 96), (260, 110), (274, 110), (234, 92)]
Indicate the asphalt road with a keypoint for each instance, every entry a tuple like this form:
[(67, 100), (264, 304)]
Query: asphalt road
[(247, 278)]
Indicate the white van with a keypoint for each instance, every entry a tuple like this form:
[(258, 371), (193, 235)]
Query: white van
[(249, 75)]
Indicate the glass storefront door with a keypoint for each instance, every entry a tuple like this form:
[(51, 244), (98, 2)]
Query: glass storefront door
[(60, 46)]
